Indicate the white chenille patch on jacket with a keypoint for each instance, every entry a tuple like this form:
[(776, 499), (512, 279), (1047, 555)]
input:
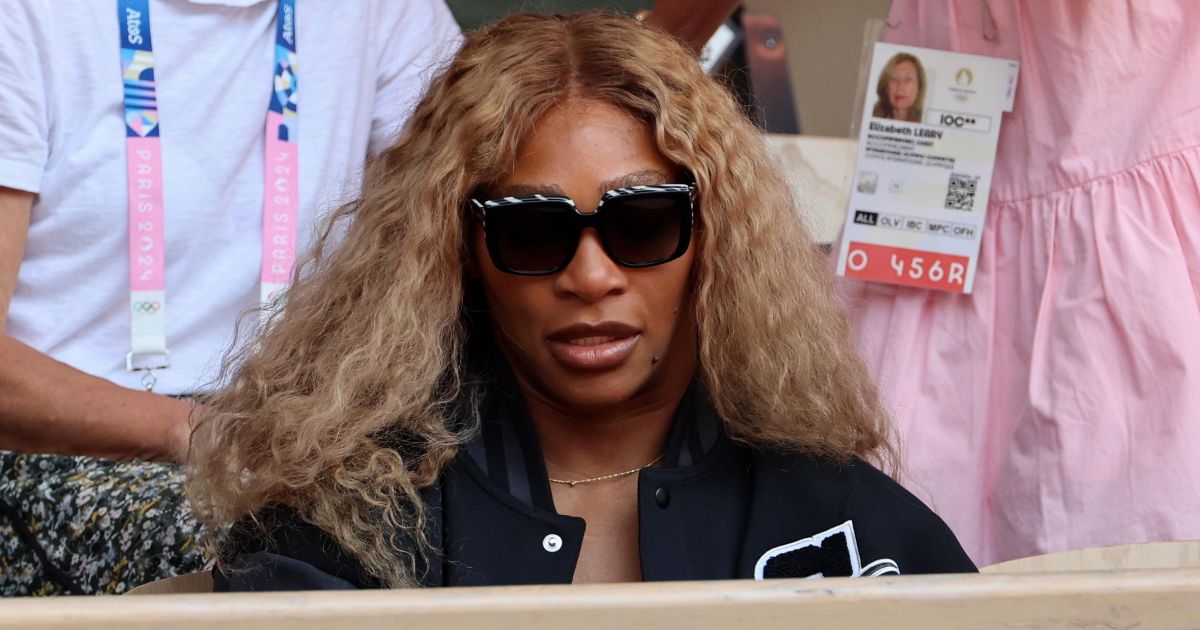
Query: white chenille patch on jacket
[(812, 552)]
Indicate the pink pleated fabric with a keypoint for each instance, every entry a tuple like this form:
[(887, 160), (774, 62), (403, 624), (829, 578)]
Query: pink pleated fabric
[(1058, 407)]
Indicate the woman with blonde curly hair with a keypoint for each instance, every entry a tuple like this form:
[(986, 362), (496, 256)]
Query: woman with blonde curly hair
[(573, 331)]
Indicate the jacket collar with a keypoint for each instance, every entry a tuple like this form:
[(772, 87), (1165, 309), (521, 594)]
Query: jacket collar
[(497, 512), (506, 447)]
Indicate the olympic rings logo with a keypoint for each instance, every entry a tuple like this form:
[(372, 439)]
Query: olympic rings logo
[(146, 307)]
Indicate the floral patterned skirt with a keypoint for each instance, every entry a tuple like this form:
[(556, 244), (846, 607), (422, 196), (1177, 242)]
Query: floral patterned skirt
[(87, 525)]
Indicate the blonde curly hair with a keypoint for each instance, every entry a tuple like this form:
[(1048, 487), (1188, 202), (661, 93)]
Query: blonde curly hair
[(342, 407)]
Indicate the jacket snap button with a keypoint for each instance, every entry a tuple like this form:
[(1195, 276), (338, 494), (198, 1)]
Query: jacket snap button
[(552, 543), (662, 497)]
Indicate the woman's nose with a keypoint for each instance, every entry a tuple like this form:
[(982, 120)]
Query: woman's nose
[(592, 275)]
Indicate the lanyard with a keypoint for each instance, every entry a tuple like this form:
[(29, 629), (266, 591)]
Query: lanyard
[(143, 155)]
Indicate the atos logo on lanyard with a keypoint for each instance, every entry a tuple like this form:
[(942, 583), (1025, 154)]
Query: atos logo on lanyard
[(148, 349)]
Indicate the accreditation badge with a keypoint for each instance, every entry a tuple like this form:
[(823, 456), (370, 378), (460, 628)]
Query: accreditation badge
[(926, 148)]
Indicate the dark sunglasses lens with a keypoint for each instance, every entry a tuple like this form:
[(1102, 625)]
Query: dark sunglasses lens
[(646, 229), (533, 237)]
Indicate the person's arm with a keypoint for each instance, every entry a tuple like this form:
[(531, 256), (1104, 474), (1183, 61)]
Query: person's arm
[(418, 39), (692, 21), (49, 407)]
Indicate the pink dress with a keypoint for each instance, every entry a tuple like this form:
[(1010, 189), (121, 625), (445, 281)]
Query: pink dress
[(1058, 407)]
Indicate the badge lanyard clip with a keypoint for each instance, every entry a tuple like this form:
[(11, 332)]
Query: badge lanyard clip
[(148, 379)]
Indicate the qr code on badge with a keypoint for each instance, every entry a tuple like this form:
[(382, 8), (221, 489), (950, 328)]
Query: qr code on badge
[(960, 194)]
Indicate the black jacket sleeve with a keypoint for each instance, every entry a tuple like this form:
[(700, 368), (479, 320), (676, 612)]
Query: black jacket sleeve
[(284, 554), (895, 525), (264, 571)]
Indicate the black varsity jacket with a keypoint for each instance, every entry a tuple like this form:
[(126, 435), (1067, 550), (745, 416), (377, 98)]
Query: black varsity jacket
[(715, 509)]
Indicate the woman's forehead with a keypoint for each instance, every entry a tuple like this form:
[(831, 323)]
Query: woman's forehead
[(584, 148), (644, 177)]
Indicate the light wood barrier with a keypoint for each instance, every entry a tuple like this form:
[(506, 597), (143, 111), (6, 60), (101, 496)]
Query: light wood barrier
[(1145, 599), (198, 582), (1156, 555)]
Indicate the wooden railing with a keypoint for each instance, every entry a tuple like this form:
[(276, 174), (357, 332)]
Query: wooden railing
[(1110, 599)]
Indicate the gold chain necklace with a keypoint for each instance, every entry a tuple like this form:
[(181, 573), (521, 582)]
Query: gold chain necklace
[(575, 482)]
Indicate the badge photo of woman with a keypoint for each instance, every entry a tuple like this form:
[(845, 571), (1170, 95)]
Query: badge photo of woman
[(901, 89), (574, 330)]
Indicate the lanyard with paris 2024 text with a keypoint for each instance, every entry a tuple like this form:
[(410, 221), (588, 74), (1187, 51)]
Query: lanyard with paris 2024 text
[(147, 249)]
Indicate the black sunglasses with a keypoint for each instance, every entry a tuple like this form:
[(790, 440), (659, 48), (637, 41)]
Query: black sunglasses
[(537, 235)]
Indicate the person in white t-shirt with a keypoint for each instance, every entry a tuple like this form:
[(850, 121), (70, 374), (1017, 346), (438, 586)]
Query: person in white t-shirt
[(64, 239)]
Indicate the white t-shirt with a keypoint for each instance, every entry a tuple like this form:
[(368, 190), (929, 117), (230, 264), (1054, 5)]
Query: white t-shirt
[(362, 66)]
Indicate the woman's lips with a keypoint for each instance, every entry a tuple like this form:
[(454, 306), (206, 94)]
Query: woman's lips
[(600, 347)]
